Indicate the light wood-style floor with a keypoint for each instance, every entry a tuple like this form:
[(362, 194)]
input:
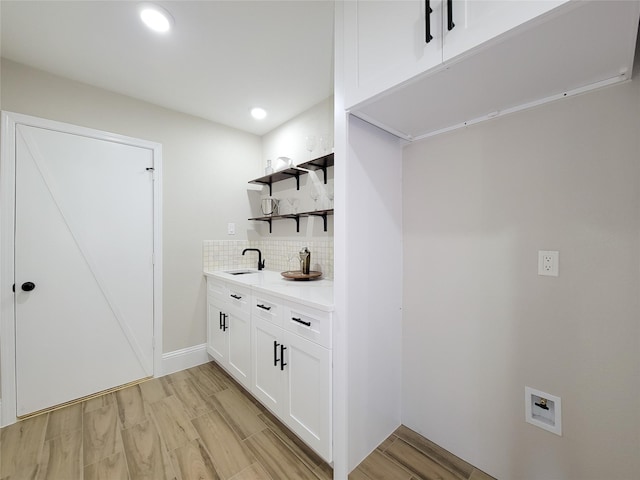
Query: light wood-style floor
[(195, 424)]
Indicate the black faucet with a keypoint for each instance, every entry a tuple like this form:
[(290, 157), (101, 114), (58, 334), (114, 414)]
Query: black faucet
[(260, 261)]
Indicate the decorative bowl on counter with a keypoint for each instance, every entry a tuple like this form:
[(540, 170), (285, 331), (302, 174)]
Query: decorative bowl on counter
[(298, 275)]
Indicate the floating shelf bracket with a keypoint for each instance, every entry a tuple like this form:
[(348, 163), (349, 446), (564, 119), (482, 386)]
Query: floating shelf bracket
[(323, 214), (296, 218), (322, 167), (291, 174), (263, 219)]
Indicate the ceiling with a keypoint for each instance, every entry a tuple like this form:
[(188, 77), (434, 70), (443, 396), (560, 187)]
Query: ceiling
[(220, 59)]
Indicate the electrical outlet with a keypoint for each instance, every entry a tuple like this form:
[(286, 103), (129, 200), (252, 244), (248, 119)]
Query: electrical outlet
[(231, 228), (548, 263)]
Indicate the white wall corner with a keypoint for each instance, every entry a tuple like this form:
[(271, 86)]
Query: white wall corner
[(184, 358)]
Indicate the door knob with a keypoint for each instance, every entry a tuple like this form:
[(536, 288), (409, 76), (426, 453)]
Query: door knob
[(28, 286)]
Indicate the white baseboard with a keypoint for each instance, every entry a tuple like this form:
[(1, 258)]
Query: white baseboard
[(184, 358)]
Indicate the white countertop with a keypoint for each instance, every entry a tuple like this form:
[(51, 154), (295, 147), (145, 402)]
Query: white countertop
[(313, 293)]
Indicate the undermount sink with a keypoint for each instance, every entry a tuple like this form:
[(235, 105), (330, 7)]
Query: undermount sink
[(240, 272)]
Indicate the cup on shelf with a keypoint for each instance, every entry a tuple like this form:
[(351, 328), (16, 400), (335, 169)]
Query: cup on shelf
[(293, 205), (269, 206)]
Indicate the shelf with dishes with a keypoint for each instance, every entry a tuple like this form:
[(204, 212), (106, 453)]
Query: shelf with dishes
[(320, 163), (296, 217)]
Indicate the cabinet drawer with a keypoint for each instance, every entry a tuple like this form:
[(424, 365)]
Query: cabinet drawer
[(314, 325), (267, 307), (238, 298), (216, 289)]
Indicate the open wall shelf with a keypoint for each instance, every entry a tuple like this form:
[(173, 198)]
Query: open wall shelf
[(320, 163), (296, 216)]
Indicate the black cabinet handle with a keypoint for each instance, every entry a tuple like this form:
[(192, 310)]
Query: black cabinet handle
[(427, 21), (224, 322), (275, 353), (237, 297), (28, 286), (220, 324), (450, 23), (264, 307), (282, 363), (299, 320)]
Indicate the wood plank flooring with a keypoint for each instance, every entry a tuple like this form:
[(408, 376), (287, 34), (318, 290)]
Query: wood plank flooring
[(195, 424)]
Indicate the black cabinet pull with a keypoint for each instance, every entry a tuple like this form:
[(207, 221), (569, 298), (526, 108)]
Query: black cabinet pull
[(427, 21), (237, 297), (224, 322), (264, 307), (275, 353), (299, 320), (450, 23), (220, 320), (282, 363)]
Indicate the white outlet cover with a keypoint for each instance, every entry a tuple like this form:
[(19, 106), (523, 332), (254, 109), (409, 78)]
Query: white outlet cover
[(548, 261), (231, 228), (550, 419)]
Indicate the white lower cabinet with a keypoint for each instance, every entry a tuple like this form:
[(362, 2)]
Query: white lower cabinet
[(292, 377), (216, 338), (229, 334), (307, 405), (280, 351), (268, 370), (292, 368)]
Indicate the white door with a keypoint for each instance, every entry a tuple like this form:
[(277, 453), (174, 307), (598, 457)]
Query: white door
[(84, 239), (240, 347)]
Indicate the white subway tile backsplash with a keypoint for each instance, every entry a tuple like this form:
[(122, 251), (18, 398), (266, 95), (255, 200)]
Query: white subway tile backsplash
[(279, 255)]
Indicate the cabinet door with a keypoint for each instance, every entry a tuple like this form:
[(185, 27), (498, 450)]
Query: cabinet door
[(477, 21), (385, 44), (216, 336), (239, 337), (268, 376), (308, 409)]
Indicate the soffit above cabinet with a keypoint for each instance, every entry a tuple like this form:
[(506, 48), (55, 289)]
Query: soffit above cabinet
[(586, 44)]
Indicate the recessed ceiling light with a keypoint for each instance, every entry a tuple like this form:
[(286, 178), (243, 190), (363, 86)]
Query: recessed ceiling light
[(258, 113), (156, 18)]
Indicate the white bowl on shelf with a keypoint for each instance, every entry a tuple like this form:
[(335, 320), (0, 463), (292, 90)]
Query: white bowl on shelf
[(282, 163)]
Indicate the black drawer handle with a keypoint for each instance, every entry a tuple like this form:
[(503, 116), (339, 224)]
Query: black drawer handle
[(237, 297), (224, 322), (299, 320), (275, 353), (264, 307), (450, 23), (282, 362), (427, 21)]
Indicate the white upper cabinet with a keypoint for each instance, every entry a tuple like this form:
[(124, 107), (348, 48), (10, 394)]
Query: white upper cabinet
[(470, 23), (385, 43), (501, 56), (390, 41)]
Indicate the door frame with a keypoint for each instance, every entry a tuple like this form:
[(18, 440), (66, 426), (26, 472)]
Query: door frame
[(7, 230)]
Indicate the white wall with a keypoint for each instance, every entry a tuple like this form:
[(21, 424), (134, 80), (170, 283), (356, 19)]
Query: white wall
[(288, 140), (206, 169), (370, 272), (480, 324)]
